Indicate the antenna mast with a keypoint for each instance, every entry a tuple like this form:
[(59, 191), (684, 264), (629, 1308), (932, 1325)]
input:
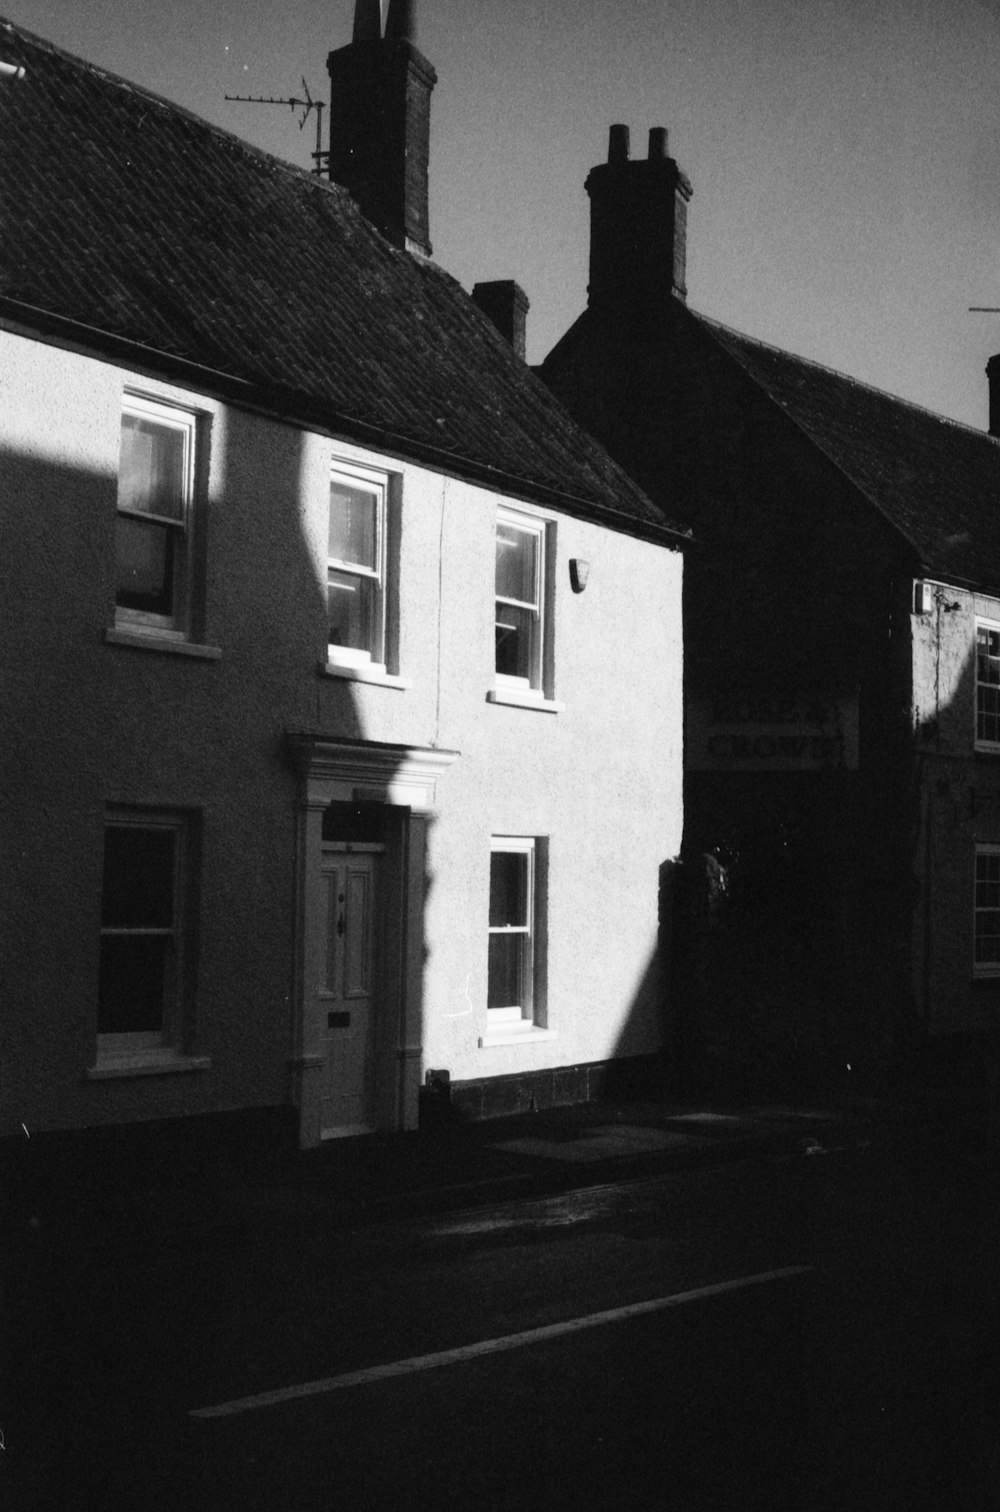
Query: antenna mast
[(306, 106)]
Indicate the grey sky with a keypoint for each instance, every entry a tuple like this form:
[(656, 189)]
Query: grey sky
[(845, 154)]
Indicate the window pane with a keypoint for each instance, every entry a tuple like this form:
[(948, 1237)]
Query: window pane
[(517, 564), (145, 565), (988, 684), (987, 946), (988, 720), (988, 938), (138, 878), (132, 983), (506, 970), (515, 639), (151, 468), (351, 602), (353, 526), (508, 889)]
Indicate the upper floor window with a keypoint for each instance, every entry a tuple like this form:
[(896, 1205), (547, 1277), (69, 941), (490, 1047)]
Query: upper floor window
[(142, 936), (987, 684), (153, 531), (356, 568), (520, 579), (987, 911)]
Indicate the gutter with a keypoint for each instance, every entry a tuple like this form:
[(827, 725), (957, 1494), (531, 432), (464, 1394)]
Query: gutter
[(35, 323)]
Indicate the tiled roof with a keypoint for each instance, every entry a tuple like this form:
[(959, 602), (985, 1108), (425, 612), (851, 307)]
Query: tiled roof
[(135, 220), (936, 481)]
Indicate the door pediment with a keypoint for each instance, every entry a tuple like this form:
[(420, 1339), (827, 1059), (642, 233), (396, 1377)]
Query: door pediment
[(335, 771)]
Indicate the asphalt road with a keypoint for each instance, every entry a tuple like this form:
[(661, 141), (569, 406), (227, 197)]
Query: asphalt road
[(812, 1333)]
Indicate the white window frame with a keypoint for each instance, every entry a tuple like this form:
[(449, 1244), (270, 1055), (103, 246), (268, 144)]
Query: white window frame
[(177, 623), (983, 968), (136, 1048), (351, 659), (518, 1016), (988, 628), (530, 525)]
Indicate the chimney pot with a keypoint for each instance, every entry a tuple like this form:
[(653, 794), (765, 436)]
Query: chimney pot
[(618, 144), (367, 20), (401, 22), (506, 304), (638, 230)]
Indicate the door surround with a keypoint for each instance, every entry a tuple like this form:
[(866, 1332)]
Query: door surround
[(404, 778)]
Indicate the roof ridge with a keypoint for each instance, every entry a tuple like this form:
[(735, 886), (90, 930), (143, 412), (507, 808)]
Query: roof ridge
[(825, 367), (129, 86), (178, 242)]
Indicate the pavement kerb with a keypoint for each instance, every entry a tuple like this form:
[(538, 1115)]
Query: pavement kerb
[(456, 1173), (450, 1170)]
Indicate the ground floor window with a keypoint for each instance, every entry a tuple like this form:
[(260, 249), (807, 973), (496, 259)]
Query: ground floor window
[(142, 933), (987, 911), (513, 996)]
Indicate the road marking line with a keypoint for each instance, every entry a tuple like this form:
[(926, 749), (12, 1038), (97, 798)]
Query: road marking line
[(488, 1346)]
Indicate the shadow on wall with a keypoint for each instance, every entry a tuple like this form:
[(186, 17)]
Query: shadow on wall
[(824, 923), (640, 1064), (635, 1072), (96, 723), (765, 948)]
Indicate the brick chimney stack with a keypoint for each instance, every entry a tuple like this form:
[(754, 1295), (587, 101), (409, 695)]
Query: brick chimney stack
[(993, 379), (507, 305), (638, 228), (380, 120)]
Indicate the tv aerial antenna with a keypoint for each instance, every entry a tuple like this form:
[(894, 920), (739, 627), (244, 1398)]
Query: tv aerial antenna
[(307, 106)]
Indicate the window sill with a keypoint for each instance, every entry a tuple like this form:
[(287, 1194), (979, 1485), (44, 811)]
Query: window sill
[(146, 1063), (372, 672), (532, 1035), (150, 640), (526, 699)]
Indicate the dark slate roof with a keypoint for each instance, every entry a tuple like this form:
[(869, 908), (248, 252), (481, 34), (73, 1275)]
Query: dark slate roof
[(154, 232), (936, 481)]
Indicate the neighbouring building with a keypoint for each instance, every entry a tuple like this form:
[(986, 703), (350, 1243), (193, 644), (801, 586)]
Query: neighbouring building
[(842, 663), (341, 684)]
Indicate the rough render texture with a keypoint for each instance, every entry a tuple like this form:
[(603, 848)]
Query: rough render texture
[(90, 723), (960, 808)]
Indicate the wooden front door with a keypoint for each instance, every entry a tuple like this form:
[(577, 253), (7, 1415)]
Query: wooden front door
[(347, 999)]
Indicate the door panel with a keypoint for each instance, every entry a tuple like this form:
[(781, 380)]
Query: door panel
[(347, 995), (358, 939), (329, 885)]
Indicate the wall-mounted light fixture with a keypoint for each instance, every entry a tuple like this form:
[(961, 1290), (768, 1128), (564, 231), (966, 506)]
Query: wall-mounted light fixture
[(579, 571)]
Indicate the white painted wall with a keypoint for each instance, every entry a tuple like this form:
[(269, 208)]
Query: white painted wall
[(88, 723)]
